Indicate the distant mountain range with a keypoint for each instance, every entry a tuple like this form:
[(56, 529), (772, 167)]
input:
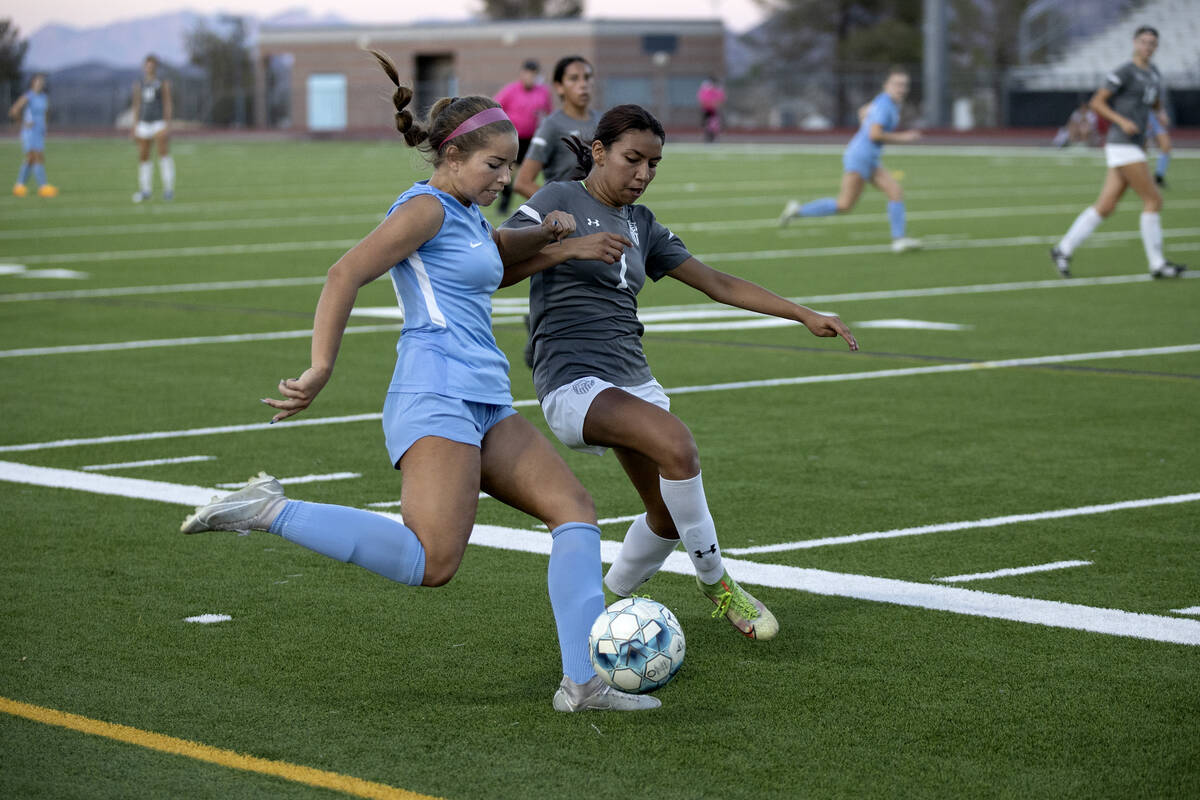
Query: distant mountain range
[(125, 44)]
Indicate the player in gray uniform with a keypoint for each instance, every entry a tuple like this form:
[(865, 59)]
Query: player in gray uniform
[(1128, 97), (153, 108), (589, 370)]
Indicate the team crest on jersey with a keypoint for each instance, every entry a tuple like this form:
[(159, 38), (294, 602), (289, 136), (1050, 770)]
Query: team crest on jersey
[(633, 234)]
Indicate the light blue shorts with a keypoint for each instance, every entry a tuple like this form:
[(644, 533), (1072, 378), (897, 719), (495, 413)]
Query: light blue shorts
[(409, 416), (864, 164), (1153, 127), (33, 140)]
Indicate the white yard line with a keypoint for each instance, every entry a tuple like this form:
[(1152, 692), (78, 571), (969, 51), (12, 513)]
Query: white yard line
[(834, 377), (172, 288), (990, 522), (330, 476), (1004, 573), (1191, 610), (861, 587), (154, 462)]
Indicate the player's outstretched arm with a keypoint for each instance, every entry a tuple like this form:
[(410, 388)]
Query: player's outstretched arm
[(606, 247), (17, 107), (734, 291), (518, 244), (396, 238)]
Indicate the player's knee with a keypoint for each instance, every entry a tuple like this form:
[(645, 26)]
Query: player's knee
[(1104, 209), (680, 459), (844, 205), (659, 520), (440, 567), (573, 505), (1152, 204)]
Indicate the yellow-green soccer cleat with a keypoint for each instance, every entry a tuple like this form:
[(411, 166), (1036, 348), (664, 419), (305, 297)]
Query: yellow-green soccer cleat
[(744, 612), (252, 507)]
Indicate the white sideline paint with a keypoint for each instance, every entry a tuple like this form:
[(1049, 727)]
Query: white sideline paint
[(175, 288), (186, 341), (208, 619), (990, 522), (154, 462), (834, 377), (184, 252), (396, 503), (911, 324), (861, 587), (332, 476), (1004, 573), (1190, 610)]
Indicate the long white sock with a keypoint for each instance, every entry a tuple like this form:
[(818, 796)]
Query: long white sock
[(145, 176), (166, 170), (641, 555), (1151, 225), (689, 510), (1080, 229)]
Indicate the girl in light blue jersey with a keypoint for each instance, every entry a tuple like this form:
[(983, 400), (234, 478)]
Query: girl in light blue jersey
[(31, 109), (861, 162), (448, 419)]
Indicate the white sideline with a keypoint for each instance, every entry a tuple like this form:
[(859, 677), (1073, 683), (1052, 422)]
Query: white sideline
[(833, 377), (153, 462), (1004, 573), (861, 587), (946, 527)]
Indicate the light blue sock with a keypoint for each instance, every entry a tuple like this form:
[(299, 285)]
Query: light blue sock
[(39, 172), (23, 175), (896, 218), (369, 540), (819, 208), (573, 578), (1163, 160)]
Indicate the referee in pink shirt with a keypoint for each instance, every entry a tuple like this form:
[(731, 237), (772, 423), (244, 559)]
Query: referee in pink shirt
[(525, 101)]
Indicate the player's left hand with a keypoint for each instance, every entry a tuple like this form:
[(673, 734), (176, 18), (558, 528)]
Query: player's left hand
[(557, 226), (827, 325)]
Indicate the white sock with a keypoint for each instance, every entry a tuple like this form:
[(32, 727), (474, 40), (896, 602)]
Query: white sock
[(689, 510), (1080, 229), (166, 170), (1152, 239), (145, 176), (641, 555)]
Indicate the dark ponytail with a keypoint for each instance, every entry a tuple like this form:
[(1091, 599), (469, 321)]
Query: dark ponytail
[(615, 122)]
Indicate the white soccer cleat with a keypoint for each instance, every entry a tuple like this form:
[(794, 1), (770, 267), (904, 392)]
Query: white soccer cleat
[(253, 507), (792, 209), (1168, 270), (904, 244), (596, 695), (139, 197)]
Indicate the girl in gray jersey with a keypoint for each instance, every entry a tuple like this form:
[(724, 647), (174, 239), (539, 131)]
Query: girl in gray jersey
[(591, 376), (548, 153), (153, 107), (1130, 94)]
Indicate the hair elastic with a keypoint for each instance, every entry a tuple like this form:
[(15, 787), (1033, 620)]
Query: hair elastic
[(477, 121)]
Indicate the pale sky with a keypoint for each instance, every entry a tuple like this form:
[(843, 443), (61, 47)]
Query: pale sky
[(29, 15)]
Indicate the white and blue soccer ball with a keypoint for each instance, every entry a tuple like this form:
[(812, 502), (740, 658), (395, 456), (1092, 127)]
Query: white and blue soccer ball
[(636, 645)]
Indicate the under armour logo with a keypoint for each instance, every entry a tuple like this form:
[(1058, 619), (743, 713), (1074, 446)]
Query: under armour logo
[(595, 222), (710, 551)]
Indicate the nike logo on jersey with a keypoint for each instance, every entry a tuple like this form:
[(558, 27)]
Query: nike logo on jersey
[(476, 244)]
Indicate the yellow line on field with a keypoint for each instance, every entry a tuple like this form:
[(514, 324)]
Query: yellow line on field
[(214, 755)]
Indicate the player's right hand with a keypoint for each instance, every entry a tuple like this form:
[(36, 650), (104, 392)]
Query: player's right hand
[(606, 247), (1129, 126), (298, 393)]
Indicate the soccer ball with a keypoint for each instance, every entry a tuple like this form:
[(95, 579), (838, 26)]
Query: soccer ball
[(636, 645)]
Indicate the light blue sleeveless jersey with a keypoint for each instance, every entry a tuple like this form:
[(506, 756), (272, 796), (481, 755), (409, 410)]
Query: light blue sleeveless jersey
[(445, 291), (35, 110), (884, 112)]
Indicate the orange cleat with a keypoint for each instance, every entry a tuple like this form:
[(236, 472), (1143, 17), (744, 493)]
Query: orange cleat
[(47, 191), (19, 190)]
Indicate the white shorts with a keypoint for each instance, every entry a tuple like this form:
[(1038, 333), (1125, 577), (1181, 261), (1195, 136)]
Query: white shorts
[(567, 406), (1118, 155), (148, 130)]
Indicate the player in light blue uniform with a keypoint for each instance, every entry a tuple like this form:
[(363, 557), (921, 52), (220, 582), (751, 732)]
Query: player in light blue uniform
[(861, 162), (30, 108), (1156, 129), (448, 418)]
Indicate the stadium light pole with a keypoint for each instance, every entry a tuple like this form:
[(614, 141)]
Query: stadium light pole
[(934, 67)]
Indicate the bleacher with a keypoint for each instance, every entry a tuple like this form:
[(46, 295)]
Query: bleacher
[(1084, 62)]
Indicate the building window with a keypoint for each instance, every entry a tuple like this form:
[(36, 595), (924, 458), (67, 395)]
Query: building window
[(681, 90), (327, 102), (629, 90)]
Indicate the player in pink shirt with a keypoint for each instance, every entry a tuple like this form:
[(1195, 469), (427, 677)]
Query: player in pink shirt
[(711, 97), (525, 101)]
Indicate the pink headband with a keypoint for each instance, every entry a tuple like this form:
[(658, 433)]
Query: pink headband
[(477, 121)]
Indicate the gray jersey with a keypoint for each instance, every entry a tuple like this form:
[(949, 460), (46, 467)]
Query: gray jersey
[(152, 101), (583, 314), (1135, 92), (547, 146)]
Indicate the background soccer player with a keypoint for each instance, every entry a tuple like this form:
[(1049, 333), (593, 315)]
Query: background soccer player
[(31, 109), (1129, 96), (525, 101), (153, 108), (861, 163)]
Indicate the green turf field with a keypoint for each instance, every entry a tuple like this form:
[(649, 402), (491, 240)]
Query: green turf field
[(996, 418)]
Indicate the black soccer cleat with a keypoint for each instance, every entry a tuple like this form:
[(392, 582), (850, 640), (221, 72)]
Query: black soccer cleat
[(1168, 270), (1062, 262), (1160, 179)]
